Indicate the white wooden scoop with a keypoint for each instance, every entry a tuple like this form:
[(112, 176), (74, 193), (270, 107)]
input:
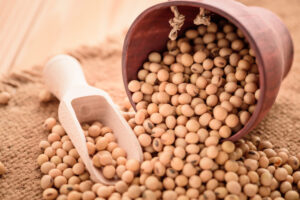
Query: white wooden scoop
[(80, 102)]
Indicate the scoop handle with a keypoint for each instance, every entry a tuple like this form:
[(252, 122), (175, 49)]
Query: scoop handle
[(62, 73)]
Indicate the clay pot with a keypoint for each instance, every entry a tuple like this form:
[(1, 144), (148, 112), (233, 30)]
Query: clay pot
[(266, 33)]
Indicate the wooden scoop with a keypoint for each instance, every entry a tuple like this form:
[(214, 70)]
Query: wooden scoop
[(80, 102)]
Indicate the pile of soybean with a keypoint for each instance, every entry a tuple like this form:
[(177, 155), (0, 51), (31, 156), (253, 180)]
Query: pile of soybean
[(107, 155), (202, 90)]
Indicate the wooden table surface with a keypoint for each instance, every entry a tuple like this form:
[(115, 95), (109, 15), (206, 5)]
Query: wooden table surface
[(31, 30)]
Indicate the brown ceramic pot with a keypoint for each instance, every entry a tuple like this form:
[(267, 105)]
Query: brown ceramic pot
[(266, 33)]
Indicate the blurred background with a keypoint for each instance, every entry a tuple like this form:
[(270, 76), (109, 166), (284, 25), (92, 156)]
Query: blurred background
[(31, 30)]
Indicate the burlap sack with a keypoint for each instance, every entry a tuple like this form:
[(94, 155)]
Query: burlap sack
[(21, 121)]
